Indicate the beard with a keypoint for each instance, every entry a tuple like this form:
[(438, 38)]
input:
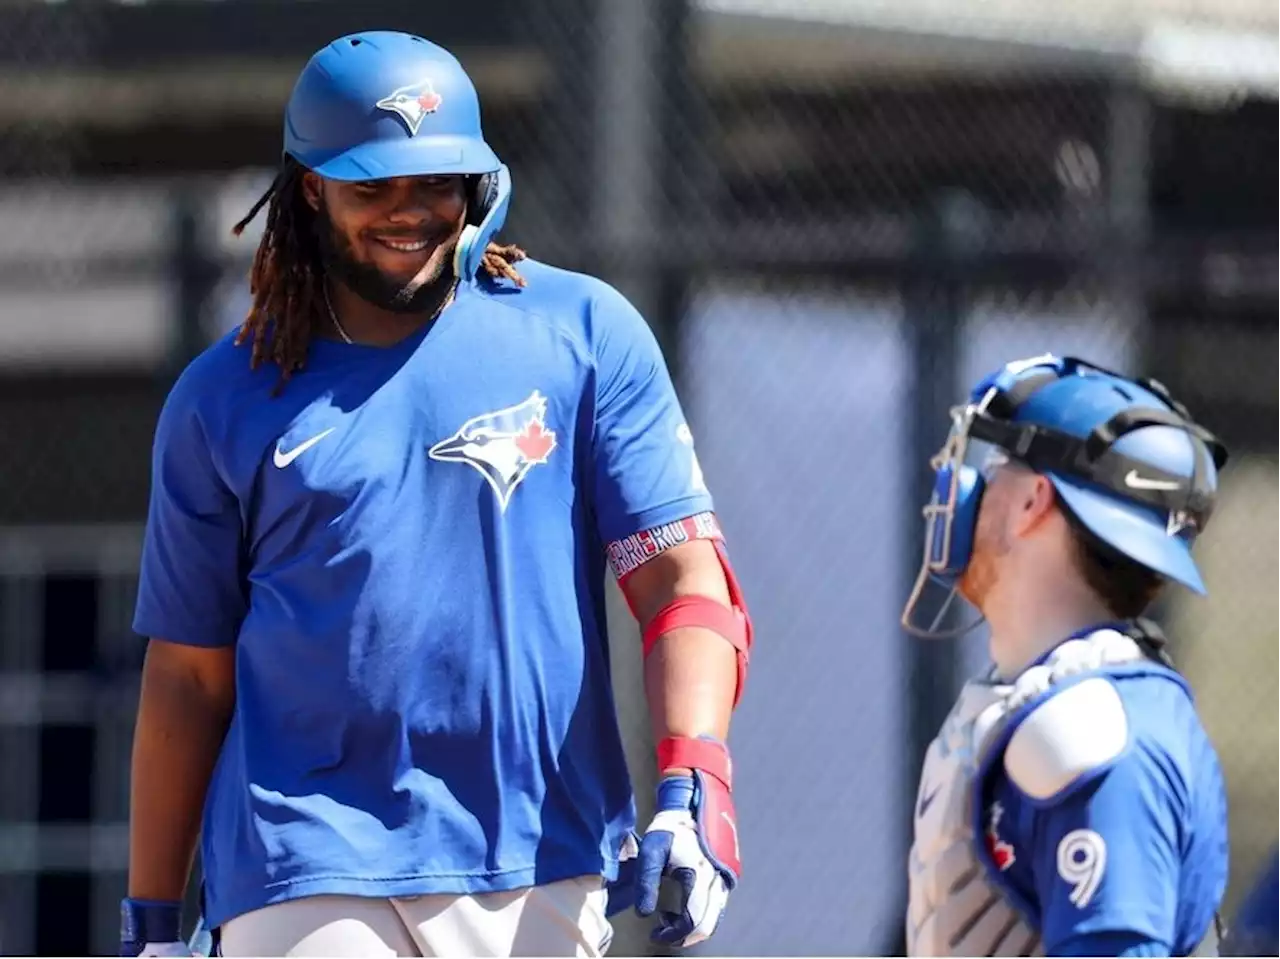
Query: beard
[(422, 294), (990, 545)]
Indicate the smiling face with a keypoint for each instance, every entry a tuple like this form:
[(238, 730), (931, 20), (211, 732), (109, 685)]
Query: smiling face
[(391, 241)]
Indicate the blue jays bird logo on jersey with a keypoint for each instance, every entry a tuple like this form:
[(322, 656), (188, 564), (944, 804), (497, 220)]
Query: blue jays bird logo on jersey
[(503, 446), (1002, 853), (412, 104)]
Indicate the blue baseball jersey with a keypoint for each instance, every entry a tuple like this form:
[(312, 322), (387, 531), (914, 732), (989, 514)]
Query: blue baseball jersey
[(407, 549), (1133, 859)]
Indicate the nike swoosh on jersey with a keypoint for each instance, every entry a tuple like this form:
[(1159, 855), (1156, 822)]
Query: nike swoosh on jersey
[(282, 459)]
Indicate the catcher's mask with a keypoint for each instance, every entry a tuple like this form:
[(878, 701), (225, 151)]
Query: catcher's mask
[(1126, 460)]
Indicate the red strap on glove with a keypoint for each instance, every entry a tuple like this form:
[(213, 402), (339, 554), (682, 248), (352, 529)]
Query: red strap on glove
[(709, 755), (714, 813)]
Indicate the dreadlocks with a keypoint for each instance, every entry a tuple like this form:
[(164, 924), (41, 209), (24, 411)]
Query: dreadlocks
[(287, 279)]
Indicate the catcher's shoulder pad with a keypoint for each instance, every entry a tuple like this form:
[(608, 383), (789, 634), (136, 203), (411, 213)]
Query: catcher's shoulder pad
[(1068, 738)]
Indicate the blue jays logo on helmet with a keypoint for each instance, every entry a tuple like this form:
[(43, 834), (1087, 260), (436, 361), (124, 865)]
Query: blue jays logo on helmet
[(359, 109), (412, 104), (502, 446)]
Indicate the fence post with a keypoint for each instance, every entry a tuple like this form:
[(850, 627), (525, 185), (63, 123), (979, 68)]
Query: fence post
[(637, 70), (195, 276), (948, 235)]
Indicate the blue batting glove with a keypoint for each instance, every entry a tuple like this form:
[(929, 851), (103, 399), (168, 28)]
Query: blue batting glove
[(149, 927), (693, 843)]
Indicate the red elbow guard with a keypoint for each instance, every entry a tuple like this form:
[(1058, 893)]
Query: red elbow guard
[(706, 613)]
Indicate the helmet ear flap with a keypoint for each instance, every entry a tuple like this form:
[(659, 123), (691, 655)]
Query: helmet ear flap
[(951, 531), (485, 217), (482, 193)]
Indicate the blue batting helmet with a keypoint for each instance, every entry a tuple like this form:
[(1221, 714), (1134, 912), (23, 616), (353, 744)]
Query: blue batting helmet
[(1126, 459), (376, 105)]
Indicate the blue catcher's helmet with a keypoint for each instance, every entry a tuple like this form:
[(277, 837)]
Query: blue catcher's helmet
[(376, 105), (1125, 458)]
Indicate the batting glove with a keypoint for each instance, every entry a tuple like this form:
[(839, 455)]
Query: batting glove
[(151, 928), (693, 842)]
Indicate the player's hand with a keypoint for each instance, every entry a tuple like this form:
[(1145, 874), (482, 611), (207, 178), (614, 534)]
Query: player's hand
[(693, 843), (151, 928)]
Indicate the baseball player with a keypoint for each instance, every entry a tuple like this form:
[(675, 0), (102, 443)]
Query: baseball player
[(1072, 803), (377, 684)]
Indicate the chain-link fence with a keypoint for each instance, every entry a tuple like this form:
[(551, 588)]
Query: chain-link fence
[(835, 215)]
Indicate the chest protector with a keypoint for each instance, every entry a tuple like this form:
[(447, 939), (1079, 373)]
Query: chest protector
[(954, 907)]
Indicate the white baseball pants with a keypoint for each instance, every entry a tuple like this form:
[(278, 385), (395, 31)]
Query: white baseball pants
[(564, 918)]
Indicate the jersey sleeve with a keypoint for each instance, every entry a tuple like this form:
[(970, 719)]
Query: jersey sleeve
[(1107, 858), (645, 470), (190, 587)]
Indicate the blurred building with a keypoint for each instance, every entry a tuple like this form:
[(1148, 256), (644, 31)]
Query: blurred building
[(834, 213)]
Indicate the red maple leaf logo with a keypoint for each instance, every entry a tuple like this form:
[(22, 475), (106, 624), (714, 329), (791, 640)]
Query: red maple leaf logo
[(1001, 852), (430, 102), (535, 443)]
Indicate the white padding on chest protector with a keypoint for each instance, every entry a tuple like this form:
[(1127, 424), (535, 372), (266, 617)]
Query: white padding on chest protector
[(1078, 731)]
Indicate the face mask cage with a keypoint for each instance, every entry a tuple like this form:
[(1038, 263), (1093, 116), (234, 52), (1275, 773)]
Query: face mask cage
[(962, 458), (961, 469)]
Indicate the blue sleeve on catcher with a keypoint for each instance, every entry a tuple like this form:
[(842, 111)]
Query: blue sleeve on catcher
[(1106, 858), (1140, 852), (190, 588)]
